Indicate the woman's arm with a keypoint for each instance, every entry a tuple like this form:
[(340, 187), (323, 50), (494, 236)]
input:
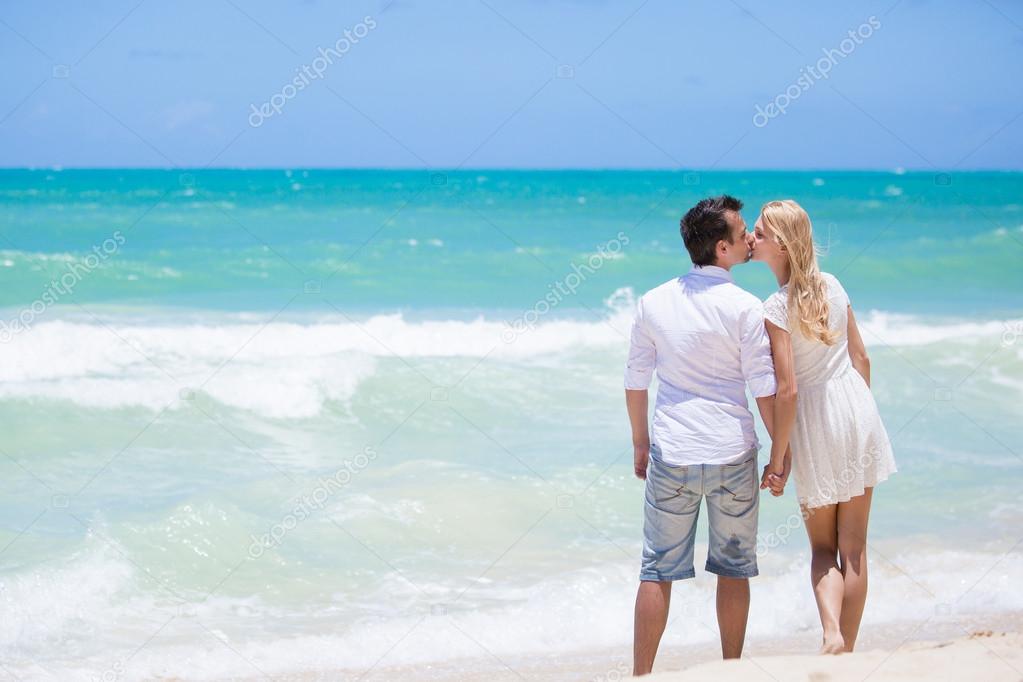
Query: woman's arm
[(775, 483), (784, 399), (857, 351)]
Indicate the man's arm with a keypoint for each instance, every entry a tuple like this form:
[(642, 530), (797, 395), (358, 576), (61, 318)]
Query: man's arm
[(757, 363), (639, 372), (637, 401), (765, 405)]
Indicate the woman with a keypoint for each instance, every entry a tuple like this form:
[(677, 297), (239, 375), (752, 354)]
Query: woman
[(839, 447)]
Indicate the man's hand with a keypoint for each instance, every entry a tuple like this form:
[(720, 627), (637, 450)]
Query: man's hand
[(636, 403), (775, 477), (640, 458)]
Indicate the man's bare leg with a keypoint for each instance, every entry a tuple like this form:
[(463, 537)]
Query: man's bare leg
[(733, 612), (652, 600)]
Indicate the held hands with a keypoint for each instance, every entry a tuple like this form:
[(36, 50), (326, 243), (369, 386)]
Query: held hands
[(775, 475), (640, 457)]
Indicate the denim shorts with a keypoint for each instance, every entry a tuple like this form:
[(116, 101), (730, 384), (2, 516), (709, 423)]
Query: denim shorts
[(672, 506)]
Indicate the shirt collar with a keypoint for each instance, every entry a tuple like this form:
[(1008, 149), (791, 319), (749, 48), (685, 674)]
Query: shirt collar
[(712, 271)]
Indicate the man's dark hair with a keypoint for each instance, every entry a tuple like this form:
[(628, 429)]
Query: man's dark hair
[(705, 225)]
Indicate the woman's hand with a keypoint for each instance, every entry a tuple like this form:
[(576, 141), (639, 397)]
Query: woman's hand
[(775, 476)]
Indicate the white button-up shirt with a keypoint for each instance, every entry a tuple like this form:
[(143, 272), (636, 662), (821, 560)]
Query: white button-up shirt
[(705, 338)]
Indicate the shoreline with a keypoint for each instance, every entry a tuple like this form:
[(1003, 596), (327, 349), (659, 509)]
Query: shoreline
[(985, 646)]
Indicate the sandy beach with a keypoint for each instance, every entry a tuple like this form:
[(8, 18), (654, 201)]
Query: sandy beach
[(984, 655), (327, 330), (987, 647)]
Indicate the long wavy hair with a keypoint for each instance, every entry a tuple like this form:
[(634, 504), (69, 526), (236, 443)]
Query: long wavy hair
[(808, 292)]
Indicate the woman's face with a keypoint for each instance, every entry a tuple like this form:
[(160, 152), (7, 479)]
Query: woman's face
[(764, 246)]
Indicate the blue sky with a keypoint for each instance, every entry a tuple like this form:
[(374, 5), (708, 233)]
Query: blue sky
[(512, 83)]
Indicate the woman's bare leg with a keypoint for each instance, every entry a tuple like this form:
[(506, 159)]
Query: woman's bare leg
[(852, 552), (825, 575)]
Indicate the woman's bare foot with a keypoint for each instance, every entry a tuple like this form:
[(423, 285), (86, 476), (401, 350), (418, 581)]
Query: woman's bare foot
[(833, 644)]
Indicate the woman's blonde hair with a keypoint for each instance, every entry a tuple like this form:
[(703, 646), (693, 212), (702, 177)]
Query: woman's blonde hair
[(808, 292)]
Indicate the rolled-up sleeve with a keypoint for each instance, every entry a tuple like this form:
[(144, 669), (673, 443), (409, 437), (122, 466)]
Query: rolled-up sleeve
[(639, 370), (755, 354)]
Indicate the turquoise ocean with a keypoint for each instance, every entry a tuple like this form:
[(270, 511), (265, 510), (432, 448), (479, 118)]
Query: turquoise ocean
[(266, 422)]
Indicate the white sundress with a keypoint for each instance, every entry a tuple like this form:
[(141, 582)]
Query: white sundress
[(839, 444)]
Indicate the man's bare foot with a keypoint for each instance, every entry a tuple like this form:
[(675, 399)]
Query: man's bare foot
[(833, 644)]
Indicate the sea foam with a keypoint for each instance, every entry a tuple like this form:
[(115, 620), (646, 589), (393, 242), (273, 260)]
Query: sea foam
[(292, 369)]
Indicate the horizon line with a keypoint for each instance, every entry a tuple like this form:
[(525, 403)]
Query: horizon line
[(516, 169)]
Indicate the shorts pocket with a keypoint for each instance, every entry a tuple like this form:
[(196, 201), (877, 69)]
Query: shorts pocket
[(739, 480), (665, 483)]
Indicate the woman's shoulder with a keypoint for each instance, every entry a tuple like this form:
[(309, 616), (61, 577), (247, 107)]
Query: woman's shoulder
[(776, 308), (778, 299), (835, 288)]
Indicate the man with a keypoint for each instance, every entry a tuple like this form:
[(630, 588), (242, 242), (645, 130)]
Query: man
[(705, 338)]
